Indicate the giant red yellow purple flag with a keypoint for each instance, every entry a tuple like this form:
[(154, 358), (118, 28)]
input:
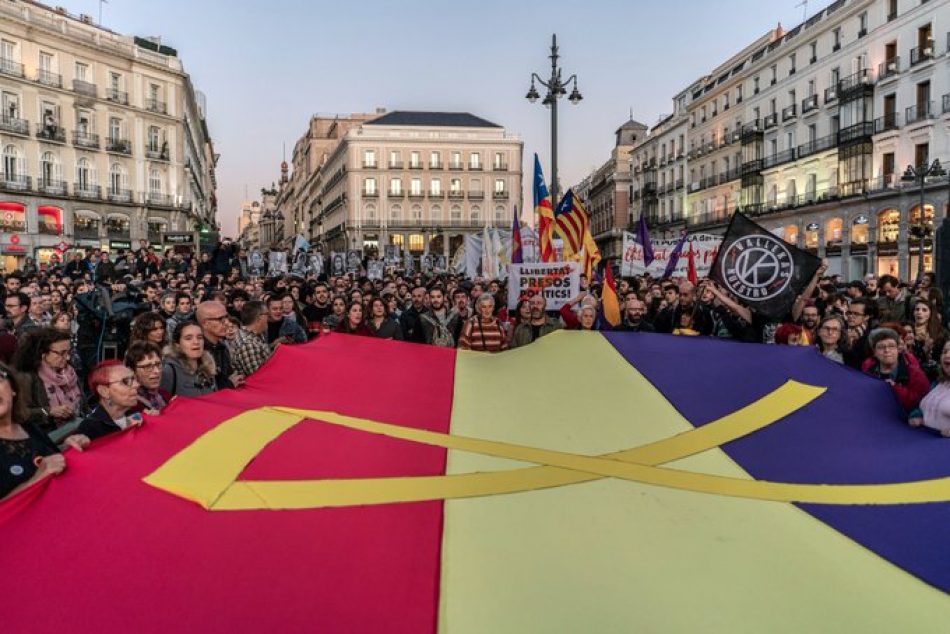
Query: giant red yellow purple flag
[(363, 485)]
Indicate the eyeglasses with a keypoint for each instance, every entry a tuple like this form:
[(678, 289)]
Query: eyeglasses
[(150, 367), (61, 353), (127, 381), (882, 347)]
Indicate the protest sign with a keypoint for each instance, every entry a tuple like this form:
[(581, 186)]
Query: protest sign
[(558, 281), (337, 263), (375, 269), (705, 246)]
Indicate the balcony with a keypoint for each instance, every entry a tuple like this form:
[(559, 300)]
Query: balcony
[(751, 167), (119, 195), (369, 193), (831, 94), (818, 145), (500, 167), (48, 78), (88, 231), (919, 112), (158, 199), (14, 125), (154, 105), (750, 132), (921, 54), (809, 104), (118, 146), (857, 132), (475, 168), (416, 195), (436, 166), (10, 67), (85, 139), (369, 165), (770, 121), (436, 195), (51, 186), (890, 121), (395, 194), (156, 153), (499, 195), (87, 191), (117, 96), (15, 183), (888, 68), (476, 195), (415, 166), (859, 81), (455, 167), (780, 158), (395, 165), (84, 88), (52, 134), (789, 113)]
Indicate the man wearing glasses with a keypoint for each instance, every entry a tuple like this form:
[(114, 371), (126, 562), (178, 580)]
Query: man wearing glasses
[(17, 306), (212, 317), (858, 315)]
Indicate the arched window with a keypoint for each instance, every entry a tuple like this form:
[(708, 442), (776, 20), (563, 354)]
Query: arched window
[(12, 163), (928, 216), (791, 234), (50, 171), (859, 230), (395, 212), (155, 182), (455, 212), (118, 179), (499, 214), (416, 213), (370, 213), (476, 215), (833, 231), (85, 176), (436, 213), (888, 225), (791, 194)]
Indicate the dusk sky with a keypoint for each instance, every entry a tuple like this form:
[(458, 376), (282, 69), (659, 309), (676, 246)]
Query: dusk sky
[(266, 67)]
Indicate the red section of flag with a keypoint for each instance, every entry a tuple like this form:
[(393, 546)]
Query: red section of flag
[(122, 556), (691, 265)]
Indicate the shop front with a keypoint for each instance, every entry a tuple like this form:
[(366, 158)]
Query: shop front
[(181, 241)]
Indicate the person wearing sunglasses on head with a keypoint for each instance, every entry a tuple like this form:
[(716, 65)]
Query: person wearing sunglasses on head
[(27, 455), (117, 389)]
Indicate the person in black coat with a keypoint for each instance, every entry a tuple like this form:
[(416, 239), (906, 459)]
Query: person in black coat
[(117, 389)]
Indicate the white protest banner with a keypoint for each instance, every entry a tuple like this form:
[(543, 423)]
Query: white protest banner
[(559, 281), (705, 246)]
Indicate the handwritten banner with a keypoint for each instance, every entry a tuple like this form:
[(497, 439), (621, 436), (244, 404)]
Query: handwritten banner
[(558, 281), (705, 246)]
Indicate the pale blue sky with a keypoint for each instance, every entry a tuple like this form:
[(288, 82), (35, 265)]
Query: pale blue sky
[(265, 67)]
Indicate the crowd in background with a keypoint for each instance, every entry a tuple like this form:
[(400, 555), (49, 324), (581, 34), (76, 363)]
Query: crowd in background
[(90, 345)]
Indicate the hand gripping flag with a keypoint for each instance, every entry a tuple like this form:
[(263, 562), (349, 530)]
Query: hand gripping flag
[(763, 271), (517, 251), (733, 501), (545, 211)]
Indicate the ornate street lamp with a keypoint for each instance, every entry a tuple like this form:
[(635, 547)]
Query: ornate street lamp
[(556, 88), (919, 176)]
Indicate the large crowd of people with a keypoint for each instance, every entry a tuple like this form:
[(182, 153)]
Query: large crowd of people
[(89, 346)]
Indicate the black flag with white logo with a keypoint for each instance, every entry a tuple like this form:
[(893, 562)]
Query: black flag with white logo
[(760, 269)]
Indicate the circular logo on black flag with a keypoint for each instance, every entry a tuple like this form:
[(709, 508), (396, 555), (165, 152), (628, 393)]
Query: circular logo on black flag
[(757, 268)]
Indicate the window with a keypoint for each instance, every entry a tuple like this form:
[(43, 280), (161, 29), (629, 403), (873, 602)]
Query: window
[(835, 77), (82, 71), (812, 133), (499, 160), (455, 186), (154, 91), (891, 10), (8, 51), (155, 182), (415, 187), (395, 212), (863, 24), (414, 160), (774, 71), (476, 215), (154, 140), (394, 159), (811, 88), (836, 39), (814, 52), (455, 214), (887, 167), (115, 83), (49, 168), (369, 158), (475, 161), (435, 213), (755, 85), (11, 105), (46, 63), (499, 215), (435, 159), (791, 64), (456, 160), (85, 177), (922, 155), (435, 187), (115, 129), (395, 186), (416, 213), (369, 186), (12, 163), (118, 178), (499, 186)]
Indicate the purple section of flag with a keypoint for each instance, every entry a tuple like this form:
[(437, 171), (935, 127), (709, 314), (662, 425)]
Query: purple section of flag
[(643, 237), (854, 433), (675, 257), (517, 252)]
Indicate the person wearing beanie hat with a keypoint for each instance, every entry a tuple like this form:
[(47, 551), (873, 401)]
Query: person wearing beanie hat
[(889, 364)]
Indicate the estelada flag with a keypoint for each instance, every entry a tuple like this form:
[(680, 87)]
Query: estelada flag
[(609, 300), (544, 207), (362, 485), (760, 269)]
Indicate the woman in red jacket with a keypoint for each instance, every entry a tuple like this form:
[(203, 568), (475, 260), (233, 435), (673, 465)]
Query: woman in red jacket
[(900, 371)]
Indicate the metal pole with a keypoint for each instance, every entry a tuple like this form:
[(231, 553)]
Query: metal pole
[(920, 223), (554, 91)]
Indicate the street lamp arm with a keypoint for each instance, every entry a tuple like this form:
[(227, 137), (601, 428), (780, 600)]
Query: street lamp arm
[(536, 77)]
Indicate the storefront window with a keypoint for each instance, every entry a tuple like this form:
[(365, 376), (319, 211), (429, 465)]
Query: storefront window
[(928, 216), (859, 230), (416, 242), (811, 235), (50, 220), (833, 231), (12, 217), (397, 239), (791, 234), (888, 225)]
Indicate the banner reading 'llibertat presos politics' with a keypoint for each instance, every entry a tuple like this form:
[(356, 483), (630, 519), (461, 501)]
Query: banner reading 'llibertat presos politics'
[(559, 281), (705, 246)]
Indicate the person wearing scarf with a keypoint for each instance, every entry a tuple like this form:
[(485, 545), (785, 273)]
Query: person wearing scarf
[(54, 396)]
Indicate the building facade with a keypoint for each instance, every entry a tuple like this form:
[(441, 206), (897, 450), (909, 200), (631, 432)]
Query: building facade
[(420, 180), (810, 130), (104, 139), (606, 191)]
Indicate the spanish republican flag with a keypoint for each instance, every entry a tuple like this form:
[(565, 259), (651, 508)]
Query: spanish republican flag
[(545, 210), (321, 497)]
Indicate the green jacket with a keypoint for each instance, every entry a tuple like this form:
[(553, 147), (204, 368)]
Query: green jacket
[(523, 334)]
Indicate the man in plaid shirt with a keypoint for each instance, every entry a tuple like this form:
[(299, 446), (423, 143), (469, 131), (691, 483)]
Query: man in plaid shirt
[(249, 349)]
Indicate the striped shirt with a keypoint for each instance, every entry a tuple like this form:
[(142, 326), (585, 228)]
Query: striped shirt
[(483, 336)]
